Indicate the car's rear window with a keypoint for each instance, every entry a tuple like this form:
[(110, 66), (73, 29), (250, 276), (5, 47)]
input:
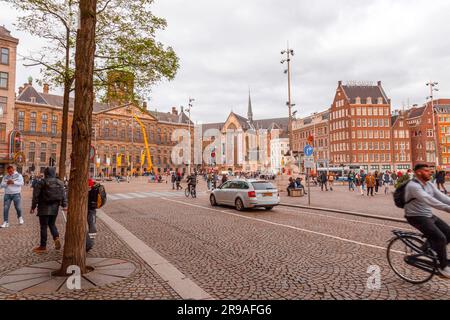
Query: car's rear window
[(263, 186)]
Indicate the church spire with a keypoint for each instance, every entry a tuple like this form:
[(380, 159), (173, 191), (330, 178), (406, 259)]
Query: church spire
[(250, 111)]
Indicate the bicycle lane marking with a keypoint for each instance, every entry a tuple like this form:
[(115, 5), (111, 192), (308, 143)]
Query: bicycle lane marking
[(287, 226)]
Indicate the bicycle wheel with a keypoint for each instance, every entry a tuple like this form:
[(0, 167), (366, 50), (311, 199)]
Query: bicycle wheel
[(187, 192), (194, 193), (409, 262)]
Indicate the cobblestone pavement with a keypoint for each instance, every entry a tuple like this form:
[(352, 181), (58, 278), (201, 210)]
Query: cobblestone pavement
[(17, 241), (288, 253), (284, 254)]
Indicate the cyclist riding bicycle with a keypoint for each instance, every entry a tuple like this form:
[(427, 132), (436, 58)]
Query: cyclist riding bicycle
[(421, 196), (192, 181)]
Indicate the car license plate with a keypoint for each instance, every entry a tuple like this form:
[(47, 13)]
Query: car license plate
[(267, 194)]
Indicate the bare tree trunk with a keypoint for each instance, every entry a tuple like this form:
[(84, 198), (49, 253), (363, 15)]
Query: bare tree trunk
[(65, 126), (75, 239)]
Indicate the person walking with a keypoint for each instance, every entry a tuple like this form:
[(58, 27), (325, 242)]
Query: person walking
[(377, 185), (363, 180), (178, 181), (12, 182), (224, 178), (323, 181), (351, 181), (173, 179), (370, 182), (48, 196), (331, 180), (386, 182), (440, 180)]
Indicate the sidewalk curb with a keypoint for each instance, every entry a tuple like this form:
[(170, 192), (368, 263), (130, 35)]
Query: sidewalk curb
[(185, 287), (351, 213)]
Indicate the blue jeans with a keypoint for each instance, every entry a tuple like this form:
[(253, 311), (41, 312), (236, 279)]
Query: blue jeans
[(8, 198)]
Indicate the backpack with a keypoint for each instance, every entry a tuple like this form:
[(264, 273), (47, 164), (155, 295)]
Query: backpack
[(52, 190), (99, 189), (400, 193)]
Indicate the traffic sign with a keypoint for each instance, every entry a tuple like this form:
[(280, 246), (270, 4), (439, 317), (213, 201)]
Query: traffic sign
[(308, 150), (309, 163)]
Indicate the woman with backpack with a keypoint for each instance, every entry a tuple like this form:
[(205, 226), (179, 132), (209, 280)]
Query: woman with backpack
[(48, 195)]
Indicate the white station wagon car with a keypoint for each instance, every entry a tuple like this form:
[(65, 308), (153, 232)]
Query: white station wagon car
[(243, 194)]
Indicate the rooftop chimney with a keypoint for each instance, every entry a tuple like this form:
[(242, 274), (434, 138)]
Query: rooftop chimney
[(379, 83), (181, 109), (46, 88), (174, 111), (144, 105), (340, 83)]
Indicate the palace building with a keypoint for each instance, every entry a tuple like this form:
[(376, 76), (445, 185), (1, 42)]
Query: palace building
[(117, 137)]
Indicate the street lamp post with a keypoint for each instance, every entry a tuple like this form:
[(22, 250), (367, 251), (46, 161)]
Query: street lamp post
[(190, 105), (289, 52), (433, 88)]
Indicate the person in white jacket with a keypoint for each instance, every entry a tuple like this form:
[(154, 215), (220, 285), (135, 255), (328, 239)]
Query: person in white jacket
[(12, 183)]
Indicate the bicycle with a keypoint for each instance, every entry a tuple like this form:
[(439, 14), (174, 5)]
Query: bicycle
[(190, 191), (411, 257)]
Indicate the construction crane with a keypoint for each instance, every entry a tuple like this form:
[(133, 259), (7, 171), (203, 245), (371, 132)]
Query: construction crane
[(149, 159)]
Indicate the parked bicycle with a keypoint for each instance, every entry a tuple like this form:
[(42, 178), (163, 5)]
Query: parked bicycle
[(411, 257)]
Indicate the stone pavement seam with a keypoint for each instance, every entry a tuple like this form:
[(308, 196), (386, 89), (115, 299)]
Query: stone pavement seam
[(352, 213), (184, 286)]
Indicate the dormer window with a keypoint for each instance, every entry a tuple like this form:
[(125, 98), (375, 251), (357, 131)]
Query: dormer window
[(33, 99), (358, 100), (369, 100), (380, 100)]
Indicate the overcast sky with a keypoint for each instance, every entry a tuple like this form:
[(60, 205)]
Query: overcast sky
[(229, 47)]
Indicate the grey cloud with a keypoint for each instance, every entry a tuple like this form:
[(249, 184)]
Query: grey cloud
[(225, 47)]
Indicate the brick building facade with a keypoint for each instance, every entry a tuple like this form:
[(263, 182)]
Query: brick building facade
[(314, 128), (8, 141), (360, 127), (38, 118)]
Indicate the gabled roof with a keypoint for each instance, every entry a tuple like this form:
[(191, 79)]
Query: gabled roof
[(57, 101), (365, 92), (28, 93), (6, 34), (416, 112), (52, 100), (244, 122), (282, 123), (181, 118)]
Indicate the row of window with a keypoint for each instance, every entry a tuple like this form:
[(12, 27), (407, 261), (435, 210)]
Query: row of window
[(306, 134), (372, 157), (361, 134), (33, 127), (360, 123), (33, 115), (359, 111), (339, 147)]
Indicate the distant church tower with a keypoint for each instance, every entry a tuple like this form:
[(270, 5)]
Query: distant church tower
[(250, 111)]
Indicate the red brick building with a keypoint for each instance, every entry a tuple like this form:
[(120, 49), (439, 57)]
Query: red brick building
[(401, 141), (420, 123), (316, 127), (360, 127)]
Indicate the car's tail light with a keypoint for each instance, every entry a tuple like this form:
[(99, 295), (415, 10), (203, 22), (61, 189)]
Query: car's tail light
[(252, 194)]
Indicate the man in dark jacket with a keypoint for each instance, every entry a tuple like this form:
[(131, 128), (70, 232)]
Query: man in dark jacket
[(48, 195), (440, 180)]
